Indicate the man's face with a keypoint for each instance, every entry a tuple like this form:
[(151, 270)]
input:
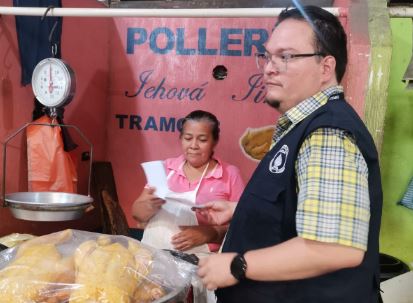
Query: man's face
[(301, 77)]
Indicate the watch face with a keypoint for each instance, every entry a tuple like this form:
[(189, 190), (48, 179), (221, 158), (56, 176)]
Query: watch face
[(53, 82), (238, 267)]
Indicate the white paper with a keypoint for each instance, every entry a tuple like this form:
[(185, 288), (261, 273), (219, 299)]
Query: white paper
[(156, 177), (172, 197), (398, 289)]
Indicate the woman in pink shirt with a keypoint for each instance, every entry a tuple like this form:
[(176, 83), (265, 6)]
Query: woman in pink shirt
[(197, 173)]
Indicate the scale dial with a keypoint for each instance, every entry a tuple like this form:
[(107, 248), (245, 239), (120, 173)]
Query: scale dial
[(53, 82)]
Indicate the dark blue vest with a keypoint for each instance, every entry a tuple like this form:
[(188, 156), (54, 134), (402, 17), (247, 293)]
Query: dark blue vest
[(265, 216)]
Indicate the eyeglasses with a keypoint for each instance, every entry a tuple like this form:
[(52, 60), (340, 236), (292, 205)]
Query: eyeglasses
[(279, 61)]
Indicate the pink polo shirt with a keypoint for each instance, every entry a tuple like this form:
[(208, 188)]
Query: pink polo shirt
[(224, 182)]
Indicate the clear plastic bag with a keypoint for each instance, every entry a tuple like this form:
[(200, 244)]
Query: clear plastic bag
[(77, 267), (15, 239)]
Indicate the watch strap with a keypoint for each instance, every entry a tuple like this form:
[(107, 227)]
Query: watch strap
[(239, 267)]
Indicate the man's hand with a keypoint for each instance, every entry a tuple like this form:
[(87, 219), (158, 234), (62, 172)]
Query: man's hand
[(217, 212), (191, 236), (215, 271)]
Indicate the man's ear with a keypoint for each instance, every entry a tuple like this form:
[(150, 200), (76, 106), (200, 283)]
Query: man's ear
[(328, 72)]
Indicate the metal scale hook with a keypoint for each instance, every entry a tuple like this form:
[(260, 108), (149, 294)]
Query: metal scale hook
[(53, 46)]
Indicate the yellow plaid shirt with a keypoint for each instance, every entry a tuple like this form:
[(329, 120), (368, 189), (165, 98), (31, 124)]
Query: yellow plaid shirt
[(332, 179)]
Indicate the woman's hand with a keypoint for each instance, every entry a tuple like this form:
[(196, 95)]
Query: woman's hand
[(217, 212), (191, 236), (146, 205)]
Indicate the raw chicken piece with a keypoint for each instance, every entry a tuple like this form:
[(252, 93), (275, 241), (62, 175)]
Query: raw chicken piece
[(30, 277), (109, 272), (98, 271), (147, 290)]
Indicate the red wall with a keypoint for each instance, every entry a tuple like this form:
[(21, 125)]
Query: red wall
[(149, 55), (108, 75), (85, 47), (145, 71)]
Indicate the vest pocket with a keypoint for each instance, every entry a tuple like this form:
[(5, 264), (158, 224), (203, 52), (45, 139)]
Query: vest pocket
[(262, 218), (269, 195)]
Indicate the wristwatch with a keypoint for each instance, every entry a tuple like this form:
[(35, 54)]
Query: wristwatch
[(238, 267)]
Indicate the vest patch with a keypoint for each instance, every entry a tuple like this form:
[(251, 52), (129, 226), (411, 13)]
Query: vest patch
[(277, 164)]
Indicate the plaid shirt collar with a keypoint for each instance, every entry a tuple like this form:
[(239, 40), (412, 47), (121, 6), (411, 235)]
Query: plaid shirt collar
[(302, 110)]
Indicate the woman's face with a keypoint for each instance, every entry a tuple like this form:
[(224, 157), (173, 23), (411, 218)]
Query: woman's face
[(197, 142)]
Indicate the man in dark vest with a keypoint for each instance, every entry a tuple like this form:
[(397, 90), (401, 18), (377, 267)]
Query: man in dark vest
[(306, 228)]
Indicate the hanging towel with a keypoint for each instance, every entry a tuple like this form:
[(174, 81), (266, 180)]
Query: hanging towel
[(33, 36), (407, 199)]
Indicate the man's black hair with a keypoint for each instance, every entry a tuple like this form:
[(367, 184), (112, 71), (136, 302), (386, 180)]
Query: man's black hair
[(330, 37)]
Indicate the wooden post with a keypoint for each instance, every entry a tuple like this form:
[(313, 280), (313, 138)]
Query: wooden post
[(379, 69)]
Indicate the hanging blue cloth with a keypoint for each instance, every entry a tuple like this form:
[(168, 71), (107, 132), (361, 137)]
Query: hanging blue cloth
[(33, 36), (36, 37), (407, 199)]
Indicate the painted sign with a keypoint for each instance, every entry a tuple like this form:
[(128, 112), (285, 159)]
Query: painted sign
[(162, 69)]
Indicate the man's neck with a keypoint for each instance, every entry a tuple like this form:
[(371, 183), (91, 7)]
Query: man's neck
[(328, 84)]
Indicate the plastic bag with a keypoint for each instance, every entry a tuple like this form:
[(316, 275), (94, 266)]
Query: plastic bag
[(50, 168), (407, 199), (15, 239), (78, 267)]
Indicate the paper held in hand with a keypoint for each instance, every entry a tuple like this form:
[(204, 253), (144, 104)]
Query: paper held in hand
[(156, 177)]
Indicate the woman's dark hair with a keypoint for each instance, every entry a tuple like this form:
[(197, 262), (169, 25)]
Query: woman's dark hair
[(330, 37), (200, 115)]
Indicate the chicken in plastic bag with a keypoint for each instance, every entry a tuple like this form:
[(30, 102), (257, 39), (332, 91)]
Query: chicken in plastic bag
[(81, 267), (15, 239)]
